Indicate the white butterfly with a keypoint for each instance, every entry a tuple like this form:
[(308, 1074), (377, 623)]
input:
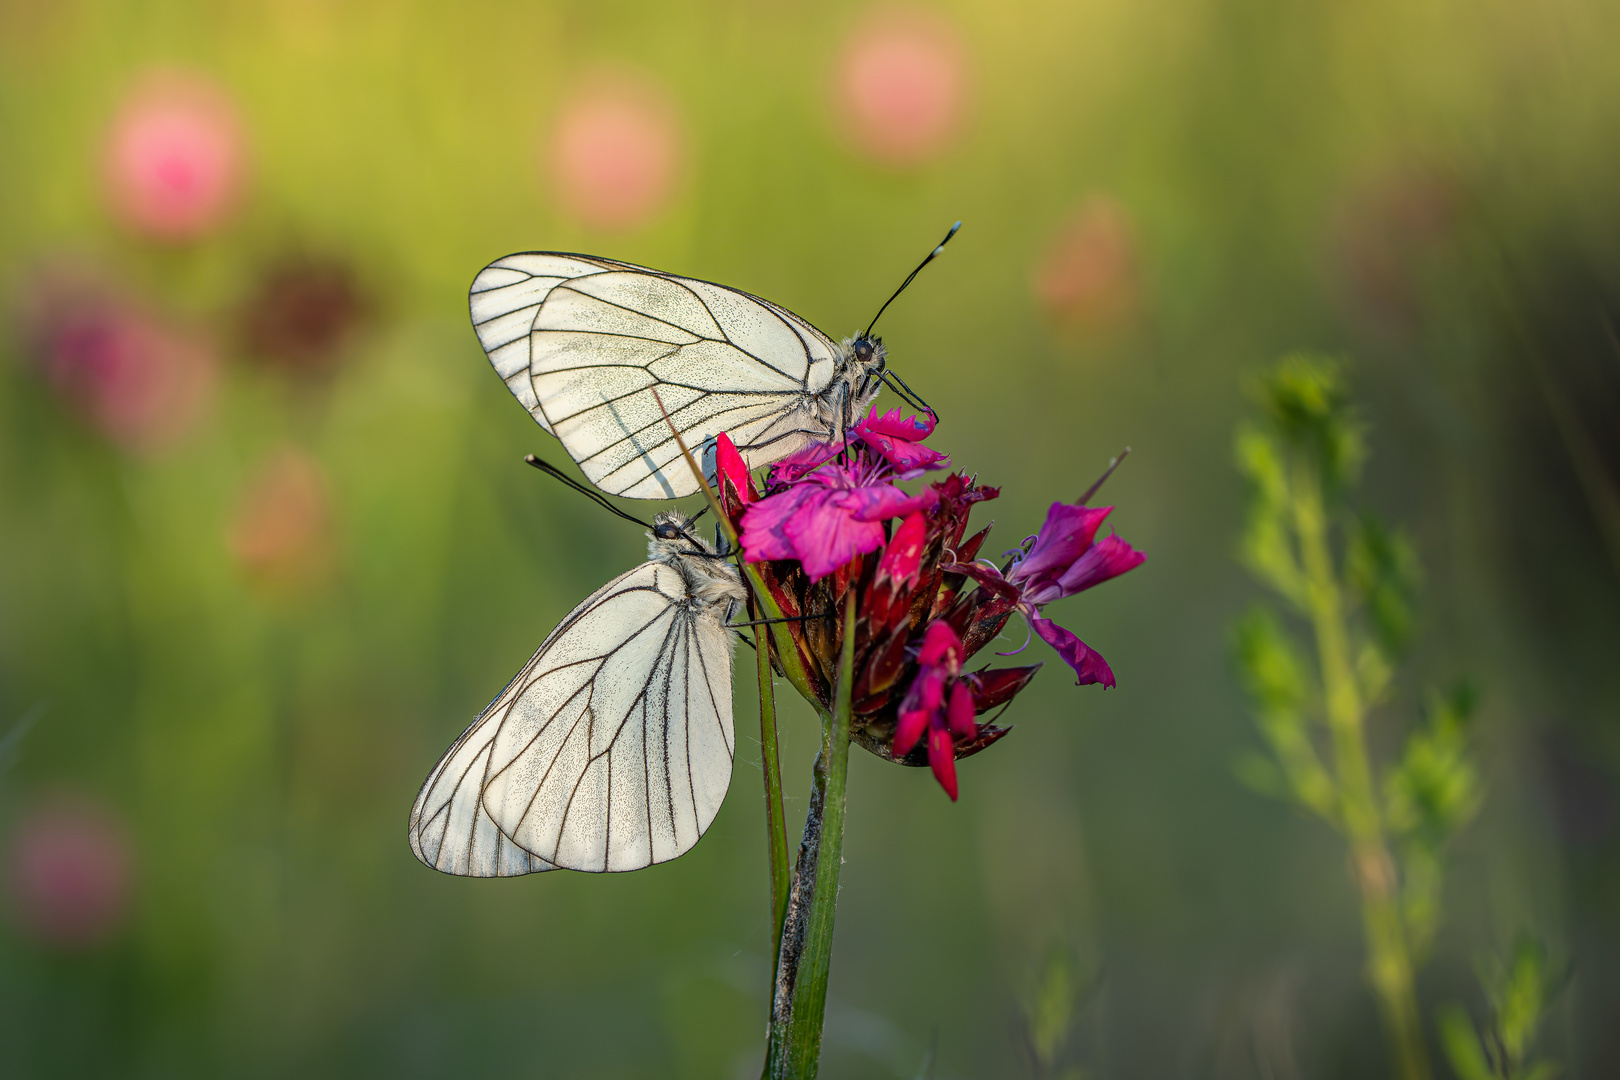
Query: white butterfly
[(584, 342), (612, 748)]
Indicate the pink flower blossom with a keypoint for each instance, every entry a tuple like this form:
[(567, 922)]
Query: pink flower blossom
[(1064, 559), (143, 383), (615, 151), (902, 86), (1089, 276), (175, 159), (281, 534), (899, 441), (70, 871), (826, 519), (938, 703)]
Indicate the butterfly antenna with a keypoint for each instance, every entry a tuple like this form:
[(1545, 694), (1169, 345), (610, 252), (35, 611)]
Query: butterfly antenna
[(907, 394), (1112, 465), (595, 496), (932, 255)]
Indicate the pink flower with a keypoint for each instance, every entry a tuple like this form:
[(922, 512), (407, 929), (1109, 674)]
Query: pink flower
[(826, 519), (281, 534), (1089, 276), (175, 160), (1064, 560), (938, 703), (70, 871), (899, 441), (142, 383), (902, 86), (615, 151)]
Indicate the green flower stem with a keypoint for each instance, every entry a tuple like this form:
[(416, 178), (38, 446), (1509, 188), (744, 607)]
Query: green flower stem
[(775, 821), (787, 653), (799, 1004), (1389, 958)]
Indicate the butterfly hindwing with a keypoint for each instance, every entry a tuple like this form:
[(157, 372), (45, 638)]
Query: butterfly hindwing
[(611, 750)]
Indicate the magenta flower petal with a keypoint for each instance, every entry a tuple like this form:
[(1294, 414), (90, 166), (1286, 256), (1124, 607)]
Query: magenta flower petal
[(912, 428), (909, 730), (899, 442), (961, 711), (1107, 558), (942, 759), (940, 642), (1087, 662), (764, 535), (732, 468), (802, 462), (1064, 537), (880, 502), (825, 536), (903, 557)]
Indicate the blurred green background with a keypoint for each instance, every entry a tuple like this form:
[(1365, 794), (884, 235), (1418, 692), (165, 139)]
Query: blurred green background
[(268, 543)]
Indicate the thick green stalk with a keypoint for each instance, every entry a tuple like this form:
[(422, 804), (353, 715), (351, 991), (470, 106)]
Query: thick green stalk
[(799, 1005), (775, 821), (1389, 959)]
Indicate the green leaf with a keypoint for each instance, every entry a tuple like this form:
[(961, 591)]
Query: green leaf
[(1267, 547), (1381, 565), (1272, 669), (1461, 1044), (1306, 398), (1435, 789)]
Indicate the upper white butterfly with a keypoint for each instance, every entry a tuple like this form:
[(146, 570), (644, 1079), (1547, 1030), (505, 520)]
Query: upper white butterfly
[(585, 344)]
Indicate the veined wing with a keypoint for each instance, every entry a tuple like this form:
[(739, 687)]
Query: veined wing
[(583, 341), (450, 829), (615, 751)]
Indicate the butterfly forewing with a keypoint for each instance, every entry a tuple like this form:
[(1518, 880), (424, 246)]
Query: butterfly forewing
[(583, 342)]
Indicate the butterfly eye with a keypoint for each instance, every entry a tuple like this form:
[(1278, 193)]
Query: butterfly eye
[(666, 531), (863, 351)]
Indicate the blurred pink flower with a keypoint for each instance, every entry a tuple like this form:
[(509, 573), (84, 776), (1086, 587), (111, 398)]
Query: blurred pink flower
[(901, 85), (281, 533), (140, 381), (70, 869), (1089, 276), (614, 153), (175, 160)]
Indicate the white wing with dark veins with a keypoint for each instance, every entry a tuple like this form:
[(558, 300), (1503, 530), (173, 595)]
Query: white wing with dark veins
[(582, 342), (611, 750)]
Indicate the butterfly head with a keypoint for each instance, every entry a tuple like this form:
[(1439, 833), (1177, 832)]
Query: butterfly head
[(673, 535), (868, 354)]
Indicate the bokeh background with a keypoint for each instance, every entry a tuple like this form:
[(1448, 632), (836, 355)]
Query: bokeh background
[(268, 543)]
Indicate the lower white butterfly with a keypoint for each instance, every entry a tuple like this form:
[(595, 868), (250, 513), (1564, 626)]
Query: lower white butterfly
[(583, 342), (612, 748)]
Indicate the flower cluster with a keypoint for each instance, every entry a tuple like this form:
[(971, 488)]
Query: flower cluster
[(832, 518)]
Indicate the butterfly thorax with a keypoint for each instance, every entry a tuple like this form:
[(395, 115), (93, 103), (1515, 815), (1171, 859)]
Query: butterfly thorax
[(711, 581)]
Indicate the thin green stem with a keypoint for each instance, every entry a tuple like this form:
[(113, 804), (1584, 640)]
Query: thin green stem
[(1389, 957), (787, 653), (799, 1005), (775, 821)]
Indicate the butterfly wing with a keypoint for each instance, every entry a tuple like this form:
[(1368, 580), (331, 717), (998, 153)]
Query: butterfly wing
[(582, 342), (611, 750), (450, 829)]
